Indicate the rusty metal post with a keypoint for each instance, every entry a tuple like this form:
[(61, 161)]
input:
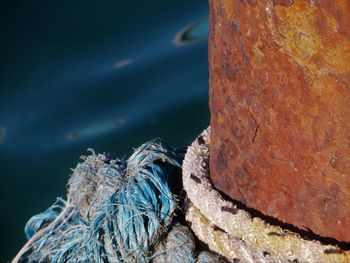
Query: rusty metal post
[(280, 106)]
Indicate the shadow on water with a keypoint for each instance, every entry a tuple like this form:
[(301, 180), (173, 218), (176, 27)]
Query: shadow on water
[(80, 75)]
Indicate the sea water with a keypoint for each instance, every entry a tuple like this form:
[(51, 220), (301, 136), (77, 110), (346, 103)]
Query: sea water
[(107, 75)]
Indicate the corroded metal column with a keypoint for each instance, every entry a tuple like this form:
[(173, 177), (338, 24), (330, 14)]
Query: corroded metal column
[(280, 105)]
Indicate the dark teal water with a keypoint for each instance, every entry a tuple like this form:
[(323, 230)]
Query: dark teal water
[(105, 74)]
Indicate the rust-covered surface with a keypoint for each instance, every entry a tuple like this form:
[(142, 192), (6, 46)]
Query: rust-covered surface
[(280, 106)]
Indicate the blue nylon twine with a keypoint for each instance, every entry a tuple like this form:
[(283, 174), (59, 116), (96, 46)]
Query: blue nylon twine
[(116, 210)]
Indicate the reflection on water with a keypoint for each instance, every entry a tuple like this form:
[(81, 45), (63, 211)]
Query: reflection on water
[(107, 75), (195, 31), (95, 130), (122, 63)]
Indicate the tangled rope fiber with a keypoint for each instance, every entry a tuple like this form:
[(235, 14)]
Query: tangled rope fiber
[(179, 246), (233, 232), (116, 211)]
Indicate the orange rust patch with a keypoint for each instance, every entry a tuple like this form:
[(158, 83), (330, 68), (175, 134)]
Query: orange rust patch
[(280, 104)]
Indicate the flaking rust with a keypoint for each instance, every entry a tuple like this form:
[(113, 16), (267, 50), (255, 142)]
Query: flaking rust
[(280, 106)]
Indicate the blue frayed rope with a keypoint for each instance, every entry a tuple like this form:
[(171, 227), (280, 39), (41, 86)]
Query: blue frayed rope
[(116, 211)]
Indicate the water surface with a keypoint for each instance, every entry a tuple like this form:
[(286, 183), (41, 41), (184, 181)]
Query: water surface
[(107, 75)]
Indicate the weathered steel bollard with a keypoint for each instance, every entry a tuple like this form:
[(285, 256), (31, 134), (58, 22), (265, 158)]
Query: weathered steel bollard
[(280, 105)]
